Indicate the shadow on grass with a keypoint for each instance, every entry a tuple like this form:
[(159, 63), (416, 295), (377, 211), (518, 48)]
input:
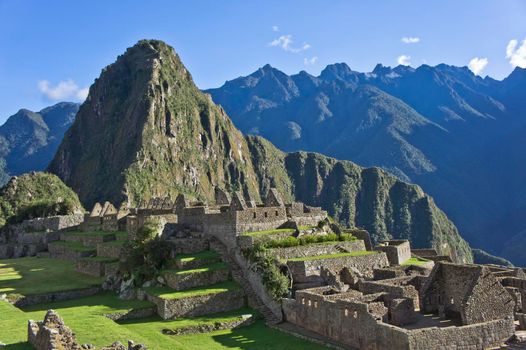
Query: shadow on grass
[(19, 346), (260, 337), (102, 300)]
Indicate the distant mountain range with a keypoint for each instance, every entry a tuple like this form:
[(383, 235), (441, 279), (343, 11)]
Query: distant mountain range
[(29, 140), (461, 137)]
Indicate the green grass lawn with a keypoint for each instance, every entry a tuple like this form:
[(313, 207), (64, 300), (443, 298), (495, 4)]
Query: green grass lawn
[(28, 276), (86, 318), (168, 293), (208, 268), (416, 261), (156, 324), (268, 232), (204, 255), (332, 256)]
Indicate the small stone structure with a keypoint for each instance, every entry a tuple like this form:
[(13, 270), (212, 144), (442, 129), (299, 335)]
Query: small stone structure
[(53, 334), (32, 236), (398, 251), (102, 218), (471, 293)]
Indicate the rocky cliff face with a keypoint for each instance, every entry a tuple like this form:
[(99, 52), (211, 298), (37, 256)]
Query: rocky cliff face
[(146, 130)]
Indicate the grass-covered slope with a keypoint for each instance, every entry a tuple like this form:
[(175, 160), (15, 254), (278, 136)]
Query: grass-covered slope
[(147, 131), (36, 195), (369, 198)]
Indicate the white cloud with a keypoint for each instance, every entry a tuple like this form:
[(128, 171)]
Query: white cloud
[(275, 28), (516, 55), (285, 42), (410, 39), (404, 60), (310, 61), (64, 90), (477, 65)]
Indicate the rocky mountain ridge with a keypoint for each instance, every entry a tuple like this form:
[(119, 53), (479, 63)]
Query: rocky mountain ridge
[(28, 140)]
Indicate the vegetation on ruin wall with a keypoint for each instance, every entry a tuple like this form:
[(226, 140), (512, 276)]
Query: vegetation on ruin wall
[(36, 195), (367, 198), (306, 240), (145, 256), (275, 282)]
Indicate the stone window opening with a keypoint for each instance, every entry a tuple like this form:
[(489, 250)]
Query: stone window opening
[(266, 214), (255, 215), (315, 304), (346, 312), (303, 301), (309, 303), (277, 214), (355, 314)]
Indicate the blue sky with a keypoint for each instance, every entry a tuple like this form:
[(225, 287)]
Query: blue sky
[(53, 50)]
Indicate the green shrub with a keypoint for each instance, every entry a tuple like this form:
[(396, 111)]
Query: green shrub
[(146, 255), (276, 283), (305, 240)]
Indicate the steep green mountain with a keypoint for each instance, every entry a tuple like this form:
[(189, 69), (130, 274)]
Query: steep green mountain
[(146, 130), (457, 135), (36, 195), (29, 140)]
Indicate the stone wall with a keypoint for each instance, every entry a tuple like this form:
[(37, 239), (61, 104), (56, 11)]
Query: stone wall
[(317, 249), (27, 300), (178, 281), (53, 223), (198, 305), (471, 292), (109, 250), (32, 236), (310, 270), (400, 287), (398, 251), (477, 336)]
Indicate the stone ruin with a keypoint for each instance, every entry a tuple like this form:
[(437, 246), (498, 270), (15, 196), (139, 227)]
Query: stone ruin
[(104, 218), (459, 306), (53, 334)]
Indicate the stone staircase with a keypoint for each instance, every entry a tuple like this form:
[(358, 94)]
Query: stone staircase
[(198, 282), (254, 300)]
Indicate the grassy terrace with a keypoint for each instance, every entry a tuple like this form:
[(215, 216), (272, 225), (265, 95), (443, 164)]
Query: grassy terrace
[(76, 246), (155, 324), (168, 293), (94, 233), (269, 232), (101, 259), (212, 267), (27, 276), (416, 261), (333, 256), (86, 316), (204, 255)]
